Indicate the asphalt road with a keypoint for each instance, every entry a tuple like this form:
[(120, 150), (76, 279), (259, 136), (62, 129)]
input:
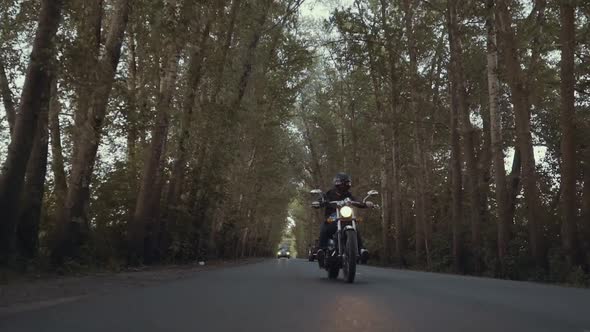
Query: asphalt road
[(294, 295)]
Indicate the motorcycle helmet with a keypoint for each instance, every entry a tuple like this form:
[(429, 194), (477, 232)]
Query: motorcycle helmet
[(342, 182)]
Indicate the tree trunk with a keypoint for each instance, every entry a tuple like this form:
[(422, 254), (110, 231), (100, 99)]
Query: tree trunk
[(504, 217), (57, 162), (34, 189), (19, 150), (400, 241), (456, 186), (484, 168), (519, 90), (458, 79), (7, 98), (195, 73), (132, 110), (384, 165), (150, 191), (315, 169), (568, 145), (514, 183), (395, 208), (89, 25), (385, 208), (586, 194), (72, 217), (228, 39), (422, 210), (158, 227), (89, 42)]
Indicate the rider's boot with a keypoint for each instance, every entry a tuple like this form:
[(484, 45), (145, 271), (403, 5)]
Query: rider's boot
[(321, 255), (364, 256)]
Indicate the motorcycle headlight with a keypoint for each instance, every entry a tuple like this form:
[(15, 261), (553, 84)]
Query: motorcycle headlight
[(346, 212), (288, 253)]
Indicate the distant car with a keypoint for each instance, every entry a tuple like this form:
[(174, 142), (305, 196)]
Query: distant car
[(283, 253)]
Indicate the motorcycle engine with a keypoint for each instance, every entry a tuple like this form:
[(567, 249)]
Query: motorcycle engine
[(331, 245)]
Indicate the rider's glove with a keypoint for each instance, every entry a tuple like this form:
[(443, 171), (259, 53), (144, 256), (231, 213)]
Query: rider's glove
[(370, 205)]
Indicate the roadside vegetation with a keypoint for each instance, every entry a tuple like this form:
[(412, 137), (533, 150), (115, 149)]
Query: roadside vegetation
[(156, 131)]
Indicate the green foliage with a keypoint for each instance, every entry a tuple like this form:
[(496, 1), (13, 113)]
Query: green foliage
[(366, 66), (278, 110)]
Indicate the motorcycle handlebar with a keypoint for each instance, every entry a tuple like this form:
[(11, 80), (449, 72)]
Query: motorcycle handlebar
[(352, 203), (343, 203)]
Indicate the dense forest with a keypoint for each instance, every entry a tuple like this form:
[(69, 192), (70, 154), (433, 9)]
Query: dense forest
[(147, 131), (141, 132), (472, 119)]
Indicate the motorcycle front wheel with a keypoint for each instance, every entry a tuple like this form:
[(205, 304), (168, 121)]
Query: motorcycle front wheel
[(349, 259)]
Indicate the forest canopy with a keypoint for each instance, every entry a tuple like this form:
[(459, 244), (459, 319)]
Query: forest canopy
[(138, 132)]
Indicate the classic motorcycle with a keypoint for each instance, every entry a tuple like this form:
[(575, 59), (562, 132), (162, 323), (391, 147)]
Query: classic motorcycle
[(342, 251)]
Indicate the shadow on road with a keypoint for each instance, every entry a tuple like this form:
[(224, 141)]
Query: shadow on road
[(338, 282)]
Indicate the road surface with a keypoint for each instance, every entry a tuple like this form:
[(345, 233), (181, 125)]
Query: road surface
[(294, 295)]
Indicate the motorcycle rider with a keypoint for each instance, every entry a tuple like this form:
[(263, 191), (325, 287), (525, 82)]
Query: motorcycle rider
[(342, 184)]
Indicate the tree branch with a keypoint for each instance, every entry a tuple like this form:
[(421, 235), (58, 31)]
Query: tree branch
[(7, 97)]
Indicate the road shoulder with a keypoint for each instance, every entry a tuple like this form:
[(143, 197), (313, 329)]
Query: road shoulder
[(21, 296)]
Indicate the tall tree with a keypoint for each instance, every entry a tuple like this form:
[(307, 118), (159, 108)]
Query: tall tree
[(459, 92), (57, 162), (34, 188), (569, 206), (89, 23), (422, 237), (504, 216), (194, 75), (150, 190), (455, 161), (72, 216), (19, 150), (520, 94), (586, 194), (395, 150)]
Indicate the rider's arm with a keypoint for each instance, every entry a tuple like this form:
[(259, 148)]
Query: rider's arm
[(359, 204), (323, 202)]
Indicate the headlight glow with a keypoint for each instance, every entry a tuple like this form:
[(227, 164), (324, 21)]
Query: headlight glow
[(346, 212)]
